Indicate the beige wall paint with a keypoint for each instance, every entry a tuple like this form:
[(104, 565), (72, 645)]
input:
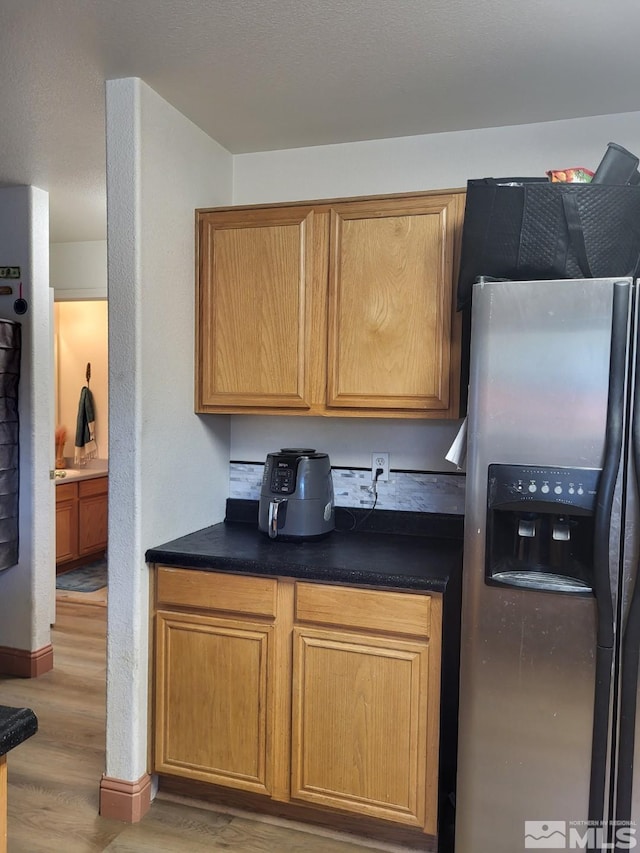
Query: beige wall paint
[(81, 337)]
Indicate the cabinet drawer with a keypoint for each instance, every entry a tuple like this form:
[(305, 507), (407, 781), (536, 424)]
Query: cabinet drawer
[(96, 486), (368, 609), (66, 492), (217, 591)]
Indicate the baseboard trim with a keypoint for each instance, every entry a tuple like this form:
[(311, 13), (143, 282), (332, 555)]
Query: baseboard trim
[(25, 664), (123, 800)]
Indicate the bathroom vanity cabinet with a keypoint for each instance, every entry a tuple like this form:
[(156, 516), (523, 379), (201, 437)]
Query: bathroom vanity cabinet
[(81, 521)]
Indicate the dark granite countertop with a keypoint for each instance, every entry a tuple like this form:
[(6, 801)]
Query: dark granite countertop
[(16, 725), (387, 549)]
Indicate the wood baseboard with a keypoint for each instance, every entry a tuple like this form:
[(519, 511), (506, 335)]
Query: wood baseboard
[(25, 664), (123, 800)]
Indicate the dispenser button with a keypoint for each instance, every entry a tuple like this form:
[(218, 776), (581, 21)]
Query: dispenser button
[(526, 528), (561, 532), (533, 487), (580, 490), (558, 489), (545, 488)]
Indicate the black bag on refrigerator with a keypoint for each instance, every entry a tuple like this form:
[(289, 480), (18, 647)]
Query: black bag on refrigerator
[(530, 228)]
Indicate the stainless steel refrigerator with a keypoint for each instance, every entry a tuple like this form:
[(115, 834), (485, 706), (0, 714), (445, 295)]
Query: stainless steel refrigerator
[(550, 622)]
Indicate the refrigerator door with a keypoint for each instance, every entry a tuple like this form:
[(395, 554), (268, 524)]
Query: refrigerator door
[(538, 397), (627, 798)]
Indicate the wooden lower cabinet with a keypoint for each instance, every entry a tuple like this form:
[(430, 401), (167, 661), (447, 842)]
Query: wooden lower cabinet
[(360, 716), (316, 694), (93, 503), (366, 686), (66, 522), (81, 520), (218, 679)]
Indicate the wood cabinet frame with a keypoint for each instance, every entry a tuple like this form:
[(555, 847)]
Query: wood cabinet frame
[(308, 373), (387, 635)]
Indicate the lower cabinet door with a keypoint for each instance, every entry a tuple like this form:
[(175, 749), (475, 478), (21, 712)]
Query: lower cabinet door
[(360, 716), (213, 700), (66, 530), (92, 524)]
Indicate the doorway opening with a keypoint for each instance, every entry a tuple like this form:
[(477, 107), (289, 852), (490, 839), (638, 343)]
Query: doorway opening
[(81, 475)]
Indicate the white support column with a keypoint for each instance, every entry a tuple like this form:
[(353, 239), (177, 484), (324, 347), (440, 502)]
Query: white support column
[(168, 468)]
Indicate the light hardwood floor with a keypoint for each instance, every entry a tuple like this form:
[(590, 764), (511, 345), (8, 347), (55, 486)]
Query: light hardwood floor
[(54, 776)]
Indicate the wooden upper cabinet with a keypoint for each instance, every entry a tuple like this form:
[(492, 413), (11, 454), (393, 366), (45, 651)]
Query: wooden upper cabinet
[(390, 304), (255, 301), (330, 308)]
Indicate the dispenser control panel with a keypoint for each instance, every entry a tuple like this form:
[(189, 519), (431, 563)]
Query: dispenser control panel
[(517, 484)]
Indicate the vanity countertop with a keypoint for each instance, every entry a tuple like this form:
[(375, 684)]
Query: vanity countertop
[(395, 550), (98, 468)]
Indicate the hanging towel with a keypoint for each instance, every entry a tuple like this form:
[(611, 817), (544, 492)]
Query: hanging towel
[(86, 447)]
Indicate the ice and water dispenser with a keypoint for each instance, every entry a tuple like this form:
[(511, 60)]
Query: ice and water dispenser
[(540, 527)]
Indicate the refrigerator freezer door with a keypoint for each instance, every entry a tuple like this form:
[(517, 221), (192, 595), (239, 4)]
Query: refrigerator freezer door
[(627, 806), (538, 397)]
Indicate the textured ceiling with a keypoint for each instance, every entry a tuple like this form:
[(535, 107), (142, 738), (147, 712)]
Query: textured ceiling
[(266, 74)]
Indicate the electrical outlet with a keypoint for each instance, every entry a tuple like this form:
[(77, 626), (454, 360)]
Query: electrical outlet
[(380, 460)]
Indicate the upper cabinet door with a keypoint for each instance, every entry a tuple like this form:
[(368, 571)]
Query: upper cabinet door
[(256, 269), (391, 309)]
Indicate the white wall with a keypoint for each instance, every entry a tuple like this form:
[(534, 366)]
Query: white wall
[(79, 270), (348, 441), (437, 161), (168, 468), (27, 591)]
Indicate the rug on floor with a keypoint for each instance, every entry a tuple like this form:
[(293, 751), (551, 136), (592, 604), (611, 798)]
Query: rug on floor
[(84, 579)]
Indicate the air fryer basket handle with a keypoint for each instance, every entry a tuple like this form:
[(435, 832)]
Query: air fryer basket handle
[(274, 506)]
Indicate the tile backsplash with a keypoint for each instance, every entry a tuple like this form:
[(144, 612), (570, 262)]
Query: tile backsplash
[(405, 490)]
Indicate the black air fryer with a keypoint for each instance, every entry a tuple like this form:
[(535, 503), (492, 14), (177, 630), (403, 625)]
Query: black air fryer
[(296, 499)]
